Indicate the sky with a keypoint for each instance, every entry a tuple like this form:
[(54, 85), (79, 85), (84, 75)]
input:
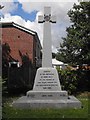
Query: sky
[(26, 12)]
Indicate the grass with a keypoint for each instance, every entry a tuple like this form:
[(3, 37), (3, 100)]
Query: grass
[(10, 112)]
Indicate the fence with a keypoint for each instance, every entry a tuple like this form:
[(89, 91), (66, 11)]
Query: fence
[(21, 78)]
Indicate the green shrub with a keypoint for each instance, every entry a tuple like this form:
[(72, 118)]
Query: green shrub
[(68, 80), (74, 80), (4, 86)]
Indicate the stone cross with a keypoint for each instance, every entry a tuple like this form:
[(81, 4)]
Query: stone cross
[(47, 19)]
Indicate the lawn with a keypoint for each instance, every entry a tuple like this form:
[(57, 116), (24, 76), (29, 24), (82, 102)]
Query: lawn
[(10, 112)]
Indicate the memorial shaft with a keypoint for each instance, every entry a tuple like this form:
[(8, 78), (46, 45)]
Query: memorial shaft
[(47, 50), (47, 42)]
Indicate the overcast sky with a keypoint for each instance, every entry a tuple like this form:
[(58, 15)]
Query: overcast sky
[(25, 13)]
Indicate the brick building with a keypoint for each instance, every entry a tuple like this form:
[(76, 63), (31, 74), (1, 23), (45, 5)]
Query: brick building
[(20, 48), (22, 41)]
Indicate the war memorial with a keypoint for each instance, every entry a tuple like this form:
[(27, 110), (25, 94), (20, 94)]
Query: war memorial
[(47, 91)]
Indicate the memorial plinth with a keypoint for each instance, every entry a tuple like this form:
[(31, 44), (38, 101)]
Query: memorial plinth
[(47, 80), (47, 91), (47, 86)]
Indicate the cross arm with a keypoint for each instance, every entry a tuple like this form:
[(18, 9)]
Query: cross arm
[(40, 19), (53, 19)]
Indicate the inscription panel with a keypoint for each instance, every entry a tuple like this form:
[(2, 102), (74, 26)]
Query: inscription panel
[(47, 80)]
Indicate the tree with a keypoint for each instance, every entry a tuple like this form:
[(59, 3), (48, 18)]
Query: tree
[(53, 55), (75, 48)]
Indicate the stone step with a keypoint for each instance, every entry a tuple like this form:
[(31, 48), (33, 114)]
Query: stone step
[(25, 103), (47, 95)]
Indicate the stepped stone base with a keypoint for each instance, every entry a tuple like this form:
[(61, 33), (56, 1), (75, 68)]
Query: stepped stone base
[(47, 95), (27, 103)]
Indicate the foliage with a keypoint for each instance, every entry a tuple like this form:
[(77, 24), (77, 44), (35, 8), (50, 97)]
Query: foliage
[(53, 55), (83, 80), (6, 57), (68, 80), (5, 53), (4, 86), (0, 82), (13, 77), (74, 81), (75, 48)]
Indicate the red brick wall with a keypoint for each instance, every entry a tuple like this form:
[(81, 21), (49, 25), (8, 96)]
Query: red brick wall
[(19, 40)]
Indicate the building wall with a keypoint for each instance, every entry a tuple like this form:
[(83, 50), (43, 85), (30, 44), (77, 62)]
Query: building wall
[(19, 42), (38, 54), (22, 42)]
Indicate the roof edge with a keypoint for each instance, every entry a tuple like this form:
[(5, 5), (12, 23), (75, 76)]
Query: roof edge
[(18, 26)]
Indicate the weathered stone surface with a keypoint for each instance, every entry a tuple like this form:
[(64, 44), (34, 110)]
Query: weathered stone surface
[(47, 91), (25, 103), (47, 95), (47, 80)]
